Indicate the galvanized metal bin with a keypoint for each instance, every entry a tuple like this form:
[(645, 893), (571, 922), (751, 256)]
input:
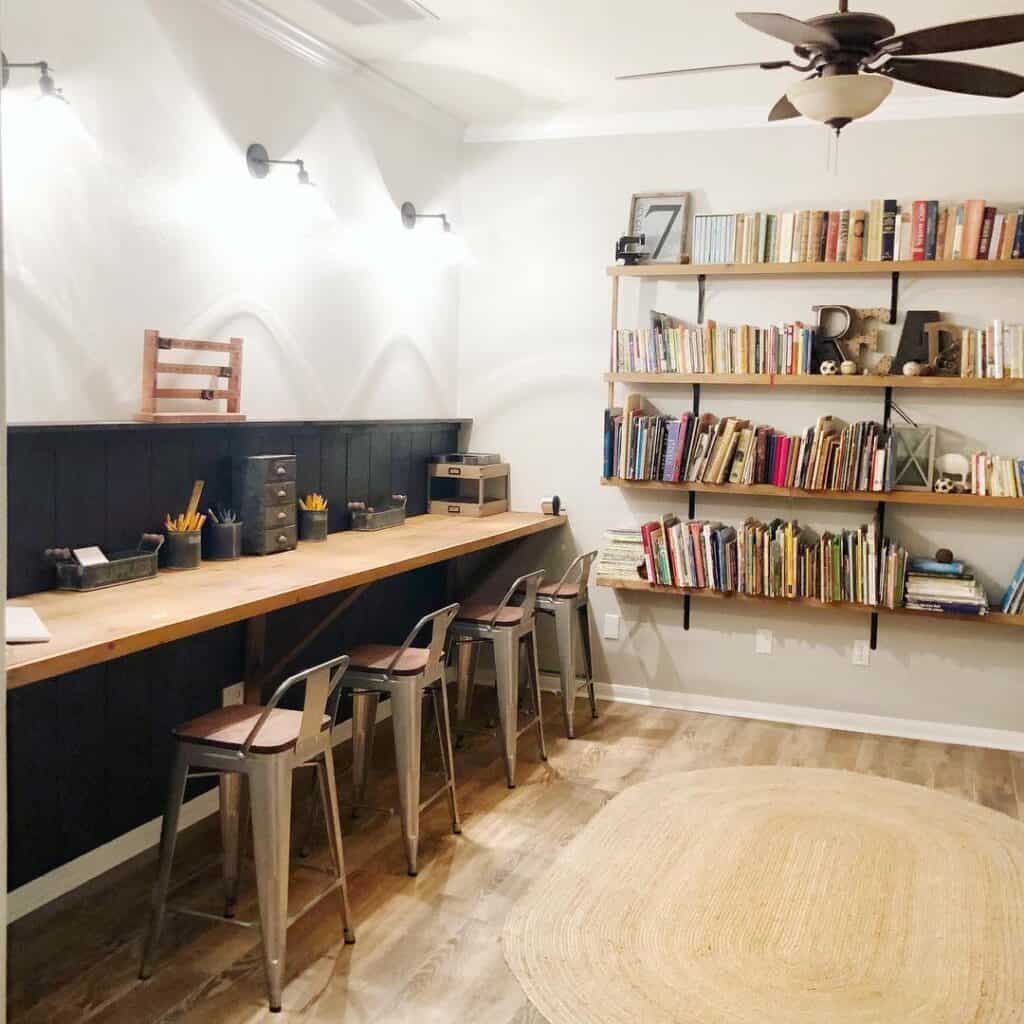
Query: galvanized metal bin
[(121, 567), (378, 518)]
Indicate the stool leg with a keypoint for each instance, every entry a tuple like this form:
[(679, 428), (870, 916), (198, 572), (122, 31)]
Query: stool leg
[(230, 836), (332, 815), (506, 663), (588, 663), (535, 676), (407, 725), (168, 838), (466, 654), (364, 721), (565, 634), (270, 786), (444, 735)]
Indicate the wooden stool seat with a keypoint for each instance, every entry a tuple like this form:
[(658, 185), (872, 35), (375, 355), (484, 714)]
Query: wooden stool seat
[(228, 728), (481, 612), (377, 658)]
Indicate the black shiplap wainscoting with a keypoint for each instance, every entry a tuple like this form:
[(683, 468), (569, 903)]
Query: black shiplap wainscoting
[(88, 752)]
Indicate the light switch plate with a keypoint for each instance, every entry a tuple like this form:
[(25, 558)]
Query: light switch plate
[(611, 627), (764, 641), (861, 653), (233, 695)]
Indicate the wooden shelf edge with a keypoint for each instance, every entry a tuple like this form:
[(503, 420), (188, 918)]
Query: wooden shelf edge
[(799, 494), (817, 380), (993, 618), (670, 270)]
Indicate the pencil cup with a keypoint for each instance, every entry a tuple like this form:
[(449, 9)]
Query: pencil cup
[(184, 550), (225, 541), (312, 525)]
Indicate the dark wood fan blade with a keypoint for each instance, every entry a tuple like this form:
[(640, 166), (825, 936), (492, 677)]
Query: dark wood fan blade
[(766, 65), (953, 76), (791, 30), (783, 110), (960, 35)]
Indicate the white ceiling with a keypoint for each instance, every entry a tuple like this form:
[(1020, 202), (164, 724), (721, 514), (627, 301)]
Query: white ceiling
[(491, 61)]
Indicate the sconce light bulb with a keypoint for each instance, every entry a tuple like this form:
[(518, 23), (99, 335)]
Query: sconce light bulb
[(303, 174)]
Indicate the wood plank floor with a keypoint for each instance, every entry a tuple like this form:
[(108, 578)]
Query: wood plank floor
[(429, 948)]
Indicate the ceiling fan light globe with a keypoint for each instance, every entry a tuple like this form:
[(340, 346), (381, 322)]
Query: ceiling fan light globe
[(839, 97)]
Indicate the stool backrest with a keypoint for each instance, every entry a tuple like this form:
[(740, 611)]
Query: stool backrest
[(528, 583), (580, 568), (321, 688), (441, 620)]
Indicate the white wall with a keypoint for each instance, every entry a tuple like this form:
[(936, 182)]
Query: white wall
[(132, 208), (542, 219)]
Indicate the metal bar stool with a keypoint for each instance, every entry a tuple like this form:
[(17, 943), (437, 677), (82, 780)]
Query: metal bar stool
[(510, 630), (406, 674), (566, 602), (265, 745)]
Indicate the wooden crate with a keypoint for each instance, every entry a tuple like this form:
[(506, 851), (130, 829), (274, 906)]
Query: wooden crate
[(152, 367), (462, 504)]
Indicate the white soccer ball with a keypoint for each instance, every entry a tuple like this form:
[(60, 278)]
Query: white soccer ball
[(944, 485), (829, 368)]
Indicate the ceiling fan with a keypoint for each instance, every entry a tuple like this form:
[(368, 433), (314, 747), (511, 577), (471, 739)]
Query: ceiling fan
[(853, 58)]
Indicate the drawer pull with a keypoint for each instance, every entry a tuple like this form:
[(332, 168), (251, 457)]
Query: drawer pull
[(282, 493), (282, 515), (281, 470), (282, 539)]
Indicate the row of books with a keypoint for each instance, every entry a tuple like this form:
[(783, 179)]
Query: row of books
[(999, 476), (621, 556), (944, 587), (994, 352), (1013, 600), (776, 559), (642, 444), (671, 346), (922, 229)]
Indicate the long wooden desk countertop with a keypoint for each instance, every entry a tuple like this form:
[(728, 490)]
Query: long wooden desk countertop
[(106, 624)]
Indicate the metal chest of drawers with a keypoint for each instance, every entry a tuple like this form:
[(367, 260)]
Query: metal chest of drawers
[(264, 487)]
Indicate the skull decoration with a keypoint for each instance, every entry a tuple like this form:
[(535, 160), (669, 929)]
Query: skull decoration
[(829, 368)]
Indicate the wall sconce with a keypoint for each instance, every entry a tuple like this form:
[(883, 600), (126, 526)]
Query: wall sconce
[(47, 86), (410, 216), (258, 161)]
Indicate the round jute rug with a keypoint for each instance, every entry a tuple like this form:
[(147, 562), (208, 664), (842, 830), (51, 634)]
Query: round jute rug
[(771, 895)]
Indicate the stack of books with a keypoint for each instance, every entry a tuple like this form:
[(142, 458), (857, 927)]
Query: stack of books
[(778, 559), (921, 229), (1013, 600), (995, 352), (670, 346), (999, 476), (943, 587), (642, 444), (621, 556)]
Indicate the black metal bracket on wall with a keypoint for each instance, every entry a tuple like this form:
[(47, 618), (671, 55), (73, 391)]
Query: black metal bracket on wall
[(692, 498), (702, 284), (894, 297), (886, 422)]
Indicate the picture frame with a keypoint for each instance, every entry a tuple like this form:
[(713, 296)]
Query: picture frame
[(664, 218), (914, 458)]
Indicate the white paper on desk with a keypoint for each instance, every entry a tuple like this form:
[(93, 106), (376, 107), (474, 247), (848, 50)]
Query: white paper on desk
[(23, 626)]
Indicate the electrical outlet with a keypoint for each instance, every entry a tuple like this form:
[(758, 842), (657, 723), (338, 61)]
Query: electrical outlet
[(764, 641), (861, 653), (233, 695), (611, 627)]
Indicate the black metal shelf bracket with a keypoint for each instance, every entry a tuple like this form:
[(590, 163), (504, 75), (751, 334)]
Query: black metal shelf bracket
[(692, 498), (880, 513), (894, 298), (702, 283)]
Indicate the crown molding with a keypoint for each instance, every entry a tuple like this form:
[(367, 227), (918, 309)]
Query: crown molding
[(313, 50), (574, 125)]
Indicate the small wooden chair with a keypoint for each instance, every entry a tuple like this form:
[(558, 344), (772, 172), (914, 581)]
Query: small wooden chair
[(265, 745)]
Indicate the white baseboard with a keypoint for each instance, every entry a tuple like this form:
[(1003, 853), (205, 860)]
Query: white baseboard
[(40, 891), (824, 718)]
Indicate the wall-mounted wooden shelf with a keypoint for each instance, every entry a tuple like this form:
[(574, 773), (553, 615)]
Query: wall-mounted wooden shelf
[(973, 501), (993, 618), (669, 270), (817, 380)]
